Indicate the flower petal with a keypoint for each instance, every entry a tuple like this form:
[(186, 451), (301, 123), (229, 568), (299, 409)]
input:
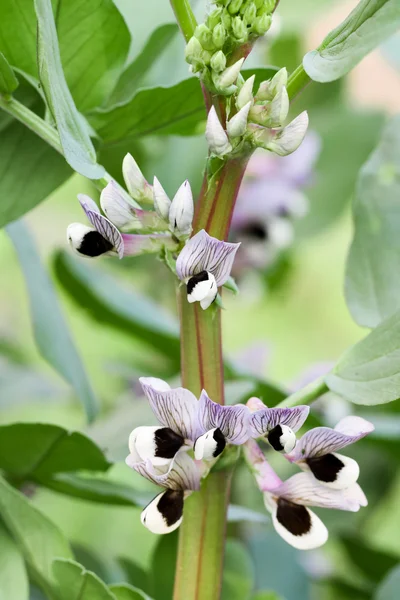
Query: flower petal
[(116, 206), (205, 253), (102, 224), (231, 420), (176, 408), (333, 470), (164, 513), (262, 421), (136, 244), (157, 444), (217, 139), (182, 474)]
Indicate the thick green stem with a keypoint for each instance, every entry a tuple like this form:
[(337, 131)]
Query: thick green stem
[(202, 533), (310, 392), (45, 131), (297, 82), (184, 17)]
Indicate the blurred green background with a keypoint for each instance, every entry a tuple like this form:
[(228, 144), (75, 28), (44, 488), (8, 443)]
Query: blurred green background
[(303, 320)]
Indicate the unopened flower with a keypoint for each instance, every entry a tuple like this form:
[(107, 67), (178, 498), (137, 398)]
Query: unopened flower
[(225, 82), (217, 139), (162, 203), (181, 211), (204, 265), (276, 425), (316, 451), (288, 139), (136, 184), (245, 94), (237, 125), (269, 89)]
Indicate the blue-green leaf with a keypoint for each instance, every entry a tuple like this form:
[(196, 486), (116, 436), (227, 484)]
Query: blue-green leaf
[(13, 577), (78, 149), (389, 589), (74, 582), (51, 332), (238, 575)]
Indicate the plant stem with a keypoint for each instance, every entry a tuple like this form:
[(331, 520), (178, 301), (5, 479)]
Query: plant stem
[(310, 392), (202, 533), (184, 17), (50, 135), (297, 81)]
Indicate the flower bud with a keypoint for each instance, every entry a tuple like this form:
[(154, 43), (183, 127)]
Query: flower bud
[(135, 182), (230, 75), (193, 50), (262, 24), (218, 61), (217, 139), (245, 94), (226, 20), (206, 57), (219, 35), (250, 13), (288, 139), (162, 203), (239, 30), (269, 89), (259, 3), (238, 124), (234, 6), (279, 109), (181, 211), (214, 17), (204, 35)]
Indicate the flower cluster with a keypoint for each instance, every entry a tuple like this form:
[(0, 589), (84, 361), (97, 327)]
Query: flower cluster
[(256, 121), (231, 24), (177, 453)]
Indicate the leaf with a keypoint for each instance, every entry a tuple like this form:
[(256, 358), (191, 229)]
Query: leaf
[(333, 588), (78, 149), (107, 301), (93, 39), (130, 79), (135, 574), (175, 110), (369, 372), (372, 292), (238, 575), (30, 170), (37, 537), (51, 332), (389, 589), (364, 29), (13, 577), (266, 596), (373, 563), (74, 582), (8, 81), (163, 563), (124, 591), (96, 489), (30, 450)]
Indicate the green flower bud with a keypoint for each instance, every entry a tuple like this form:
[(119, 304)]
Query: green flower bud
[(226, 20), (206, 57), (234, 6), (193, 50), (239, 29), (250, 13), (219, 35), (204, 35), (218, 61), (259, 3), (262, 24), (266, 8), (215, 17), (222, 2)]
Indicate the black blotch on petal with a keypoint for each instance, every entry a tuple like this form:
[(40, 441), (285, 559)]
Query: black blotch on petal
[(325, 468), (220, 442), (293, 517), (193, 281), (274, 438), (167, 442), (94, 244), (170, 506)]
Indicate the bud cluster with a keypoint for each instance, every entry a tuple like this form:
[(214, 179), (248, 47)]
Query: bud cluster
[(231, 24), (257, 120)]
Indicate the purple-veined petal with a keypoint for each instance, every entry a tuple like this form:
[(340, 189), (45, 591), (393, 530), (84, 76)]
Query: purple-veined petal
[(135, 244), (266, 477), (176, 408), (205, 253), (102, 224), (262, 421), (324, 440), (304, 489), (182, 474), (116, 206), (231, 420)]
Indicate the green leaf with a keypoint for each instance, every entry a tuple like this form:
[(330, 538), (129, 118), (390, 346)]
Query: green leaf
[(238, 575), (96, 489), (30, 170), (93, 39), (369, 372), (364, 29), (124, 591), (8, 81), (163, 566), (389, 589), (107, 301), (372, 290), (78, 149), (74, 582), (51, 332), (332, 589), (13, 577), (175, 110), (373, 563), (135, 574), (133, 75), (30, 450), (39, 540)]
